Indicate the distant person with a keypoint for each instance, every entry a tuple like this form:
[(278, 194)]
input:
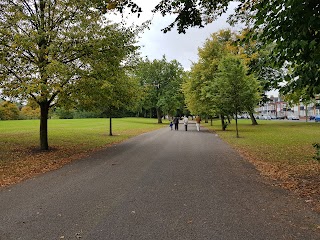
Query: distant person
[(185, 122), (198, 120), (176, 123), (171, 125)]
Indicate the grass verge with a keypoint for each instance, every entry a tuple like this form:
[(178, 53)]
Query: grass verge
[(280, 150), (69, 139)]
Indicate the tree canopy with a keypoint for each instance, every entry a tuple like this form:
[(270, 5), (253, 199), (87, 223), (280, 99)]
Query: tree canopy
[(161, 81), (234, 88), (207, 86), (292, 26), (46, 47)]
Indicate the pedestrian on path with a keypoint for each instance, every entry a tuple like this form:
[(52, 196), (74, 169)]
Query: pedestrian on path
[(171, 124), (176, 123), (185, 122), (198, 120)]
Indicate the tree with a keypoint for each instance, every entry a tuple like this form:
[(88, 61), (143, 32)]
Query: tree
[(196, 92), (197, 86), (30, 111), (110, 86), (189, 13), (293, 26), (199, 89), (115, 94), (205, 92), (9, 111), (45, 48), (234, 88), (258, 62), (294, 29), (162, 84)]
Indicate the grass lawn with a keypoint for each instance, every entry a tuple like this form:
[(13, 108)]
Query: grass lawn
[(69, 139), (282, 150)]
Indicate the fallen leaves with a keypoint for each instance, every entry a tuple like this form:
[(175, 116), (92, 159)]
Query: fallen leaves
[(27, 163), (303, 179)]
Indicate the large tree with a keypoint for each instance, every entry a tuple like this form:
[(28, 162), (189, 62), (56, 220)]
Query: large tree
[(293, 26), (201, 86), (161, 81), (234, 87), (45, 47), (108, 93)]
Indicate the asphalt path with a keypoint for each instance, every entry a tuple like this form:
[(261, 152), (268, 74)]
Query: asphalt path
[(160, 185)]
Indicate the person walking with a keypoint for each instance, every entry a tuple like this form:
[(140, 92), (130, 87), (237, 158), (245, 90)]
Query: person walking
[(171, 124), (198, 120), (176, 123), (185, 122)]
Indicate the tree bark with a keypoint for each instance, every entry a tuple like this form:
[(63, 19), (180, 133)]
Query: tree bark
[(306, 111), (44, 109), (253, 119), (159, 115), (110, 127), (223, 125), (237, 130)]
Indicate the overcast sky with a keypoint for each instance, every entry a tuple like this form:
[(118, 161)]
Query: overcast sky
[(182, 47)]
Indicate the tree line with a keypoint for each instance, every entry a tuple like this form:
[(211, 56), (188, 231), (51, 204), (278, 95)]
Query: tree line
[(68, 55)]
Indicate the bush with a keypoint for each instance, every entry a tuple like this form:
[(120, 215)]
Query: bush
[(62, 113), (9, 111), (317, 147), (28, 112)]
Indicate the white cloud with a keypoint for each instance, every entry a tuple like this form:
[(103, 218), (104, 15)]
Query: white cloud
[(182, 47)]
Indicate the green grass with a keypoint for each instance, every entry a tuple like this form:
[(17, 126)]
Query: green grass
[(69, 139), (286, 142), (281, 151), (89, 133)]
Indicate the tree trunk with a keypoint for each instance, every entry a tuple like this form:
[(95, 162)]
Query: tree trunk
[(44, 108), (237, 125), (206, 119), (253, 119), (223, 125), (306, 112), (229, 119), (159, 115), (211, 121), (110, 126)]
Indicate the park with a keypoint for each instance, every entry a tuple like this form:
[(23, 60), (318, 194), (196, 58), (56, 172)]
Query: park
[(86, 149)]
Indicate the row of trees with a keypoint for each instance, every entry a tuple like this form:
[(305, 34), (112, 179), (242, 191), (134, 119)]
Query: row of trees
[(67, 54), (219, 83), (288, 30), (17, 111), (161, 86)]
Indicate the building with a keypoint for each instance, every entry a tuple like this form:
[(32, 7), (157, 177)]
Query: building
[(279, 108)]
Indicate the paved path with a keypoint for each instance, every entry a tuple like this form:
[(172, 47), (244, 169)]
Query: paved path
[(160, 185)]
